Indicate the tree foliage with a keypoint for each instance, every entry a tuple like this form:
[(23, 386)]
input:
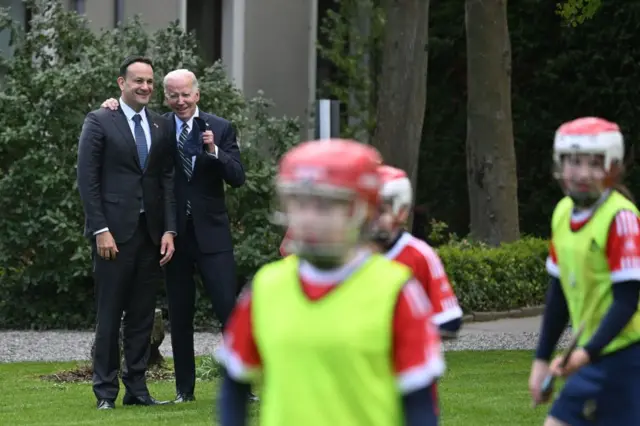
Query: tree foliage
[(558, 73), (60, 71), (575, 12)]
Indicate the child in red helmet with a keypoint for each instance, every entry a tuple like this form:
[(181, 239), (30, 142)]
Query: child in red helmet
[(341, 335)]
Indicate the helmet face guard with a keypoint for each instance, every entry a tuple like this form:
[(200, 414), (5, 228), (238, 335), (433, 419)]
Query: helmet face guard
[(396, 198), (322, 229), (326, 190)]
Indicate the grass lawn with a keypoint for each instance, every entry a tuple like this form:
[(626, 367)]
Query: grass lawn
[(480, 388)]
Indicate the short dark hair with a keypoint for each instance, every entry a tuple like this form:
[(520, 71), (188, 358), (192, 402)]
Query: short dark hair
[(129, 60)]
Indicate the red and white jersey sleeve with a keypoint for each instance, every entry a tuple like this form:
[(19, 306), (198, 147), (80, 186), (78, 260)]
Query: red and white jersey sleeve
[(623, 247), (239, 352), (552, 262), (418, 357), (429, 271)]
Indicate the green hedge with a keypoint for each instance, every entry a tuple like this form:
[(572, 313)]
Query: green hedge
[(497, 279)]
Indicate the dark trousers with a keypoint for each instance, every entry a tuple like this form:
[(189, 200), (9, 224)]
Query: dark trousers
[(127, 284), (218, 273)]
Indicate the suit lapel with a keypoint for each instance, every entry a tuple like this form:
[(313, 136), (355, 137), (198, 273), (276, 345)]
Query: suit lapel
[(120, 122)]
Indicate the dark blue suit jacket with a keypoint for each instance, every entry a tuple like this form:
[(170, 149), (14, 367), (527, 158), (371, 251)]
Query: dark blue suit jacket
[(205, 190)]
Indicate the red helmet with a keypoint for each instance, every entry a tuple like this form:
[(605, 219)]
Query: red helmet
[(333, 168), (329, 190), (576, 144), (590, 135)]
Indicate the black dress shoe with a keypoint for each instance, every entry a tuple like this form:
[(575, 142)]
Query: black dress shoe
[(142, 400), (105, 404), (184, 397)]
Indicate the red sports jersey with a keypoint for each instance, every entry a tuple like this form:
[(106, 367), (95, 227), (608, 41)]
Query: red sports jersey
[(623, 246), (417, 350), (428, 270)]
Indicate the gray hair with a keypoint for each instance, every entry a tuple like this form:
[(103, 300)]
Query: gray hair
[(181, 73)]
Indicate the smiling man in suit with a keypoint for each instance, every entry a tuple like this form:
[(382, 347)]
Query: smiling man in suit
[(204, 235), (203, 223), (125, 179)]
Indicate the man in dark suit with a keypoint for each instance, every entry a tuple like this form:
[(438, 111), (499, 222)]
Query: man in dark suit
[(125, 178), (204, 234)]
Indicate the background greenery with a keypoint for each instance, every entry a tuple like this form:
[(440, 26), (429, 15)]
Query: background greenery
[(61, 70), (559, 73)]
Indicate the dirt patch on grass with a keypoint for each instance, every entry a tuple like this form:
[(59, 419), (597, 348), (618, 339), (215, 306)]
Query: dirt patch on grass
[(84, 372)]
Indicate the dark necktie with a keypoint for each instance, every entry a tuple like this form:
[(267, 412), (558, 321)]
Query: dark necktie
[(186, 161), (141, 141)]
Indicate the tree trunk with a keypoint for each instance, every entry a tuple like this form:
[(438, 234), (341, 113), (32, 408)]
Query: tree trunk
[(402, 90), (491, 160)]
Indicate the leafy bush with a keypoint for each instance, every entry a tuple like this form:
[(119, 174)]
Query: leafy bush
[(208, 368), (495, 279), (60, 71)]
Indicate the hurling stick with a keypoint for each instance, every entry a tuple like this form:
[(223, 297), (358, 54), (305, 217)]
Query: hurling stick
[(547, 385)]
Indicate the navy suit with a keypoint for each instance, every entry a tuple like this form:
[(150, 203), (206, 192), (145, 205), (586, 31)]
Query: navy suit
[(203, 241)]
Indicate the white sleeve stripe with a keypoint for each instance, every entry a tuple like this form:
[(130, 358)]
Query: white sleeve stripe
[(421, 376), (236, 369), (436, 268), (552, 268), (627, 223), (418, 301), (630, 262), (447, 315), (632, 274)]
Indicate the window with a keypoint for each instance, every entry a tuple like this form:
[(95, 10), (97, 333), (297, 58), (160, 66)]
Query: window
[(204, 17), (19, 14), (118, 13), (325, 69), (79, 6)]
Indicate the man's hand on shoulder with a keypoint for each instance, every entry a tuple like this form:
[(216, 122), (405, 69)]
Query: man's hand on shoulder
[(167, 248), (111, 104)]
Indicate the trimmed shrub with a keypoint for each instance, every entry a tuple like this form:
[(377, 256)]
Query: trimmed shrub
[(496, 279)]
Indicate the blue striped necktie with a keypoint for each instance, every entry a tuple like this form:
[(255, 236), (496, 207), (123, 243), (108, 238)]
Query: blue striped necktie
[(141, 141), (186, 161)]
